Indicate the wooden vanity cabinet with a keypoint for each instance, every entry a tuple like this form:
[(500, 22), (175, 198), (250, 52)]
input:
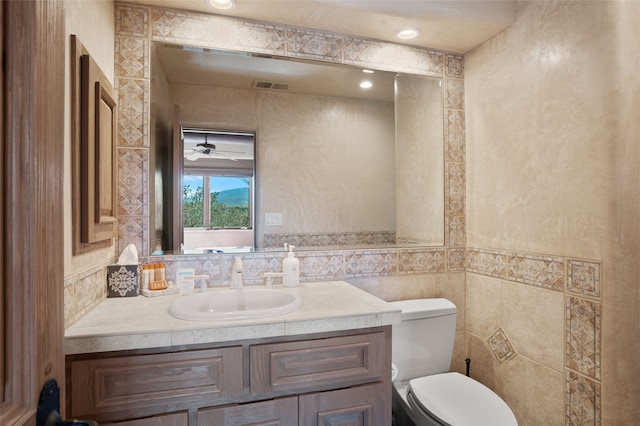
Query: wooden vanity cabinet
[(318, 379), (282, 412), (174, 419)]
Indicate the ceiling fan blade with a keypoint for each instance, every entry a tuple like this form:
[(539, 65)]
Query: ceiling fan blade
[(197, 153), (222, 155), (193, 156)]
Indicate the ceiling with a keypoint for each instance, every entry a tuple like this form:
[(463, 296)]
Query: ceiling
[(205, 67), (454, 26)]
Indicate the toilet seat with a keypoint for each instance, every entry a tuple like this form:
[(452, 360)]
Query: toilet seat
[(457, 400)]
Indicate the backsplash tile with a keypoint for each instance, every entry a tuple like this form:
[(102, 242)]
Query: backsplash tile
[(366, 263), (583, 331), (540, 271), (83, 291), (421, 260), (583, 277), (327, 239), (321, 266)]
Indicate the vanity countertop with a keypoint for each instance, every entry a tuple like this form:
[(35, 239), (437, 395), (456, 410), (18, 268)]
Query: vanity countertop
[(141, 322)]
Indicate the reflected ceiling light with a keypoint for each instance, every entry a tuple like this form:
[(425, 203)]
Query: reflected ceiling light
[(222, 4), (407, 34), (366, 84), (368, 71)]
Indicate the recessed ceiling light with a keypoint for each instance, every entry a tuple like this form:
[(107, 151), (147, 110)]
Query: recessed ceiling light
[(368, 71), (407, 34), (222, 4), (366, 85)]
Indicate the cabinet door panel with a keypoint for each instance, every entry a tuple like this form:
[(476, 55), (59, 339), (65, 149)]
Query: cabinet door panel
[(176, 419), (278, 412), (312, 364), (358, 406), (127, 387)]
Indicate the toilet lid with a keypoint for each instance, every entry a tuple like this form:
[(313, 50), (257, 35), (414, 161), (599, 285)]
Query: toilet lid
[(458, 400)]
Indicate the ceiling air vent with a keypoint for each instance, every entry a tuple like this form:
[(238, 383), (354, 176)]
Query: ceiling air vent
[(269, 85)]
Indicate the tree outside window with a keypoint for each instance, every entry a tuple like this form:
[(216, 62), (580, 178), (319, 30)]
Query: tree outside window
[(217, 202)]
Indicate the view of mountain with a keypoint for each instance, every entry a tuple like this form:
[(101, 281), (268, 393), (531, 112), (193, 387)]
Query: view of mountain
[(234, 197)]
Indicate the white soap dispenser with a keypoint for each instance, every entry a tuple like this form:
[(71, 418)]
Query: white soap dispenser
[(291, 269)]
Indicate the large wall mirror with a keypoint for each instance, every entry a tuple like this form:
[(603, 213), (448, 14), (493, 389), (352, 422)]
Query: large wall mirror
[(335, 164)]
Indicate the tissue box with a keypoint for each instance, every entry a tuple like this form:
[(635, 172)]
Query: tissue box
[(122, 280)]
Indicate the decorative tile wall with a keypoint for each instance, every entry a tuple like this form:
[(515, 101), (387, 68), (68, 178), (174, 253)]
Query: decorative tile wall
[(501, 346), (583, 278), (583, 400), (319, 265), (83, 291), (579, 280), (330, 239)]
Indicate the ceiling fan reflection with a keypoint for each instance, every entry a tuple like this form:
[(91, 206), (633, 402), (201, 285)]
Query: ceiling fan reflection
[(203, 150)]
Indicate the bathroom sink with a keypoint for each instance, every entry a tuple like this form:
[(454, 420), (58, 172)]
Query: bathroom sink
[(235, 304)]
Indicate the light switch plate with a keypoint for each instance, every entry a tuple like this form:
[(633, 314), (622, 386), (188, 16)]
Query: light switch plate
[(273, 219)]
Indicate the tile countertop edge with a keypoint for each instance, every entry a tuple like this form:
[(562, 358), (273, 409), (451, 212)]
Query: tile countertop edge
[(90, 335)]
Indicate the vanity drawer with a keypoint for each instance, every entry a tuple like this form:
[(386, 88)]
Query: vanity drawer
[(314, 364), (136, 386)]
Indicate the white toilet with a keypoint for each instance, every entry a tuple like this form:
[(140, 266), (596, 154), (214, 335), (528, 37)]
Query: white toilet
[(422, 345)]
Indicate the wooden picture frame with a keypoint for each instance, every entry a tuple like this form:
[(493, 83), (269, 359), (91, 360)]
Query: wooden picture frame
[(93, 153)]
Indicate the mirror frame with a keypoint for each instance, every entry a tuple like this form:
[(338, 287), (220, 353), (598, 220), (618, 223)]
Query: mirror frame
[(138, 26)]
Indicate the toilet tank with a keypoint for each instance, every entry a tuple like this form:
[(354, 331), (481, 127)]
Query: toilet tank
[(422, 344)]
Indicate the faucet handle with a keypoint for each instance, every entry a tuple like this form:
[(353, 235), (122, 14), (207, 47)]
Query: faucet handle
[(268, 277)]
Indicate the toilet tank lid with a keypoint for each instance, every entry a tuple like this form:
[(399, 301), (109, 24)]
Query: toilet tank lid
[(424, 308)]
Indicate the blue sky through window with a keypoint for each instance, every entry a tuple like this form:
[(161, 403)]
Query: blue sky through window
[(217, 184)]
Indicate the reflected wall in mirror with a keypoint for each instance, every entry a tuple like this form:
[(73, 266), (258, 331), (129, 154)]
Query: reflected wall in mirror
[(419, 160), (338, 165)]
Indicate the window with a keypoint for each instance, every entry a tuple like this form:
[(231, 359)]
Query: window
[(217, 202)]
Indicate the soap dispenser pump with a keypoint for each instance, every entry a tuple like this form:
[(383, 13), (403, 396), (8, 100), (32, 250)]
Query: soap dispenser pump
[(291, 269)]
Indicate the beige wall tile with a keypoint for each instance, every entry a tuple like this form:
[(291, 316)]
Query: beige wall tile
[(484, 365), (484, 305), (447, 285), (534, 392), (533, 320)]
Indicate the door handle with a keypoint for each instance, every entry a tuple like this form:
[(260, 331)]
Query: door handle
[(48, 413)]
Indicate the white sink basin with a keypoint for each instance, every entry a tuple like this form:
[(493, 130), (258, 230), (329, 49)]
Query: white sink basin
[(234, 304)]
